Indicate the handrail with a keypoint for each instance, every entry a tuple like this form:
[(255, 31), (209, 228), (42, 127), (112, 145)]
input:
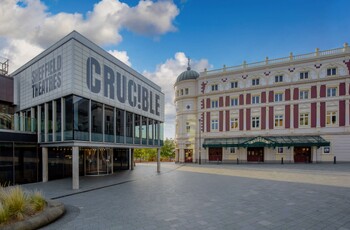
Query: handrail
[(290, 58)]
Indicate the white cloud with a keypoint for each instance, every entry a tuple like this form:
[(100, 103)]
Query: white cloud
[(18, 51), (121, 55), (165, 76), (31, 22)]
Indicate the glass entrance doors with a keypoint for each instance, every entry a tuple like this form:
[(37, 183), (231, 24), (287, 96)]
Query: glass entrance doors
[(98, 161)]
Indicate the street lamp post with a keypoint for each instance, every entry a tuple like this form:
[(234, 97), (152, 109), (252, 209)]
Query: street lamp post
[(199, 142)]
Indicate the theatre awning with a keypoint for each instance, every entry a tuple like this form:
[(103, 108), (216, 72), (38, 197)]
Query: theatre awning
[(269, 141)]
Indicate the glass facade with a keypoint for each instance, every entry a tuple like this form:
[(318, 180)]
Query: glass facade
[(20, 163), (87, 120)]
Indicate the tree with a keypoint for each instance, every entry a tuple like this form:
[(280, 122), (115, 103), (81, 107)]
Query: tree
[(168, 149)]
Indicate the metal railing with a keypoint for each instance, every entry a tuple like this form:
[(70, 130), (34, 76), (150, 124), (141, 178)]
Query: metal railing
[(290, 58)]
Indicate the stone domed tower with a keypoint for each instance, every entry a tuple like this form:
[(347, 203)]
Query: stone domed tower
[(186, 116)]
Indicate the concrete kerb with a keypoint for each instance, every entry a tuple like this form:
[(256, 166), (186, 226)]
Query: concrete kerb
[(53, 211)]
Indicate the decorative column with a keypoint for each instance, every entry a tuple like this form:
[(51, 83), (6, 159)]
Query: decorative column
[(158, 160), (45, 163), (75, 167), (292, 153), (314, 154)]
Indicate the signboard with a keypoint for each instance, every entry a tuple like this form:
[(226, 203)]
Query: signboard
[(77, 66)]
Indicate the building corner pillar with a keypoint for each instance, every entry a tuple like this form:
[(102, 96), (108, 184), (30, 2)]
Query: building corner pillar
[(314, 154), (158, 160), (75, 167), (45, 163), (131, 159)]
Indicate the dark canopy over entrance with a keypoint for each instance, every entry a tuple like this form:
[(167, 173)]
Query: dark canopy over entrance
[(270, 141)]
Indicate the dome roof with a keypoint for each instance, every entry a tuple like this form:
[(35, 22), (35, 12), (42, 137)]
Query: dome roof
[(187, 75)]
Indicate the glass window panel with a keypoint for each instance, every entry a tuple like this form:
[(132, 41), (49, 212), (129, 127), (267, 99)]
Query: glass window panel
[(161, 133), (156, 132), (150, 131), (96, 121), (129, 128), (109, 124), (81, 118), (68, 127), (49, 121), (26, 163), (137, 128), (6, 163), (144, 130), (42, 122), (58, 128), (120, 125)]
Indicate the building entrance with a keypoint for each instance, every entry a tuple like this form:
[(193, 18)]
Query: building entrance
[(255, 154), (188, 155), (98, 161), (302, 154), (215, 154)]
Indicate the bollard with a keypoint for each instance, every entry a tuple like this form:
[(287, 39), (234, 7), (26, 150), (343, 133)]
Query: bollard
[(335, 160), (282, 161), (237, 161)]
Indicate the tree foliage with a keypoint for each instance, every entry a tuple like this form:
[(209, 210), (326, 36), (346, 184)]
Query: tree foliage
[(167, 152)]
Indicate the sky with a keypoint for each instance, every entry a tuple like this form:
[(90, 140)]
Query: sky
[(156, 37)]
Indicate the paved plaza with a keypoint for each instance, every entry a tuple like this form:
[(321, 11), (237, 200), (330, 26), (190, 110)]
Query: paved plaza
[(250, 196)]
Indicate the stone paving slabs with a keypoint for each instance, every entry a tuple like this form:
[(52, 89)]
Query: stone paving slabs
[(210, 197)]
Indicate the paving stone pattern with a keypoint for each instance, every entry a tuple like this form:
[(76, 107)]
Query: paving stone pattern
[(193, 197)]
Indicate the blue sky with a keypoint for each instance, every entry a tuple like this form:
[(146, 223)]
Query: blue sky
[(156, 40), (230, 31)]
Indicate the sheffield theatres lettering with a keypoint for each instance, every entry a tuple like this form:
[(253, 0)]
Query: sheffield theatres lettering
[(117, 87), (47, 77)]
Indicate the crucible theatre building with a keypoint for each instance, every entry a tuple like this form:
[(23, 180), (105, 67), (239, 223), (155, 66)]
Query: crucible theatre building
[(88, 111), (295, 109)]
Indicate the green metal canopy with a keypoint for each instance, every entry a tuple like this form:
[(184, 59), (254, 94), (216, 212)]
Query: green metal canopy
[(269, 141)]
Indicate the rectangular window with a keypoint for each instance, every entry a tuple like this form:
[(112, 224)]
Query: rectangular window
[(304, 75), (278, 120), (234, 123), (331, 118), (326, 149), (255, 122), (278, 97), (331, 71), (278, 78), (304, 119), (331, 92), (214, 87), (234, 101), (255, 99), (234, 85), (188, 127), (280, 150), (303, 94), (256, 81), (186, 91), (215, 104), (232, 149), (182, 92), (214, 124)]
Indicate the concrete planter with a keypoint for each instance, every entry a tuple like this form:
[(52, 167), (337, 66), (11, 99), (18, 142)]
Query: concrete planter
[(53, 211)]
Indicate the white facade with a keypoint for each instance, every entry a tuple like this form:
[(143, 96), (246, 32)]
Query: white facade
[(291, 98)]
